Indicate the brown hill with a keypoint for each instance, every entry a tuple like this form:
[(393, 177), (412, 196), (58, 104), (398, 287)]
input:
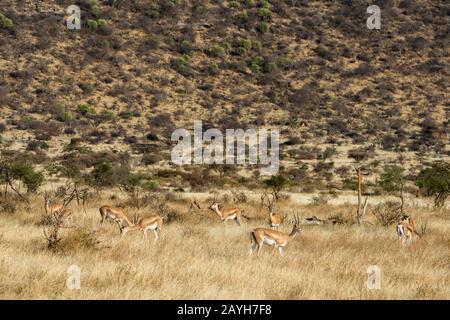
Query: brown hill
[(139, 69)]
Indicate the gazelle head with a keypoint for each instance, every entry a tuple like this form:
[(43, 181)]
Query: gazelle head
[(214, 207), (123, 231), (269, 203)]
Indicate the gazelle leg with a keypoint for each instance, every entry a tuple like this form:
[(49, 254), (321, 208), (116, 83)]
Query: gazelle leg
[(119, 225), (253, 247), (409, 239), (281, 250), (155, 232), (237, 221), (259, 248)]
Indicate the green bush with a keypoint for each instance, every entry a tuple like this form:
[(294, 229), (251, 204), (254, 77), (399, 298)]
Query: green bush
[(276, 183), (153, 42), (168, 6), (243, 16), (94, 8), (284, 62), (217, 51), (92, 24), (126, 115), (234, 4), (106, 175), (152, 11), (240, 51), (101, 23), (5, 23), (328, 153), (391, 179), (270, 67), (226, 46), (264, 13), (264, 4), (83, 109), (181, 65), (256, 69), (264, 27), (108, 115), (185, 47), (213, 69), (258, 60), (256, 45), (151, 186), (22, 172), (435, 181), (245, 43)]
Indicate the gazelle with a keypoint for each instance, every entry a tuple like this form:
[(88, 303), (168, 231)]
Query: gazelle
[(278, 239), (153, 223), (52, 209), (406, 227), (115, 214), (228, 213), (275, 218)]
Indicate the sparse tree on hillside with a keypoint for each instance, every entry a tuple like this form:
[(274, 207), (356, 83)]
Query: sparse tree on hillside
[(22, 172), (276, 183), (435, 181)]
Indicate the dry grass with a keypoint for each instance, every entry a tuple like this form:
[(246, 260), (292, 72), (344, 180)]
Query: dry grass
[(199, 257)]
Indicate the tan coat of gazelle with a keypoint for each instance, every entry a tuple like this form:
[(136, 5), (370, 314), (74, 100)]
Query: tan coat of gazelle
[(153, 223), (278, 239), (234, 214), (406, 228), (275, 218), (51, 209), (115, 214)]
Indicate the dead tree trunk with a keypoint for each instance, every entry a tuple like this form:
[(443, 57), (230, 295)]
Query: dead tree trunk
[(359, 211), (363, 212)]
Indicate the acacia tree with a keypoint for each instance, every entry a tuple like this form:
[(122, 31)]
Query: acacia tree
[(435, 181), (392, 180), (276, 183), (18, 171)]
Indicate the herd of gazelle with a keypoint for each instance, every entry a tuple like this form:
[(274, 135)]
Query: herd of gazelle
[(258, 236)]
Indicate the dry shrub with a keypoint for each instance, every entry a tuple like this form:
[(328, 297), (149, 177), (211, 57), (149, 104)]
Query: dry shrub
[(52, 228), (283, 197), (239, 197), (341, 218), (174, 197), (320, 199), (137, 200), (387, 213), (8, 204), (167, 213), (79, 239)]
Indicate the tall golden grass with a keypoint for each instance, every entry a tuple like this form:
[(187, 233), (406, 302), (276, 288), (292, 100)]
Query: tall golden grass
[(199, 257)]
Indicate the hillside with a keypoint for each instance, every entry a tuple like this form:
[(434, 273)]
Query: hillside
[(139, 69)]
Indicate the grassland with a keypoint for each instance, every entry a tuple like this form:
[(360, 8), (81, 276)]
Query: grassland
[(199, 257)]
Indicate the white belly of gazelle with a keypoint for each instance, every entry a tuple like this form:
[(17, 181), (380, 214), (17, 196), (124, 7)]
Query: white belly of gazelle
[(268, 241), (152, 226)]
